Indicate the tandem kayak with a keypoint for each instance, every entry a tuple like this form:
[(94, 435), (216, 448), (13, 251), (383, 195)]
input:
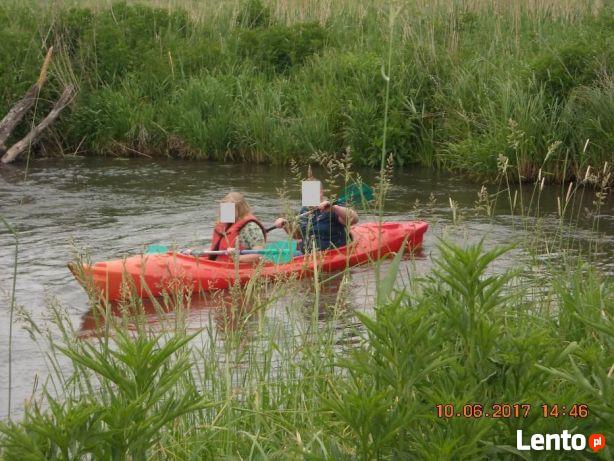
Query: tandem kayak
[(153, 274)]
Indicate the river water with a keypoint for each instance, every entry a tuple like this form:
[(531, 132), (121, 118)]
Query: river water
[(114, 208)]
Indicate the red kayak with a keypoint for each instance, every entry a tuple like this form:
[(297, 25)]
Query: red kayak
[(152, 274)]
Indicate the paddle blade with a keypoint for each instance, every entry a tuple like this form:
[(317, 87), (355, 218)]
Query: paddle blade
[(155, 249), (356, 193), (280, 252)]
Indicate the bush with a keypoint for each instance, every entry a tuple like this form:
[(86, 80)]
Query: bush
[(202, 114), (564, 69), (118, 120), (465, 336), (280, 48), (127, 39), (296, 386), (137, 395), (589, 115), (254, 14)]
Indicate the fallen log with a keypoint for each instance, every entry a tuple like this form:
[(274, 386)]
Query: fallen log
[(33, 136), (14, 116)]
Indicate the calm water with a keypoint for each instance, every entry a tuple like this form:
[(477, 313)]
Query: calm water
[(113, 208)]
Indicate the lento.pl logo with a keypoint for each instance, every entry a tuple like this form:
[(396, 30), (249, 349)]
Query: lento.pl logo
[(596, 442), (564, 441)]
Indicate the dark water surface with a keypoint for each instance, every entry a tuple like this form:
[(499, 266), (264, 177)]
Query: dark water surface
[(114, 208)]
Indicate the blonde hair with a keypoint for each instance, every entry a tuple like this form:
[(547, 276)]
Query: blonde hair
[(241, 206)]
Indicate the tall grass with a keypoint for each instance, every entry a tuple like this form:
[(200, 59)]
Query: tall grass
[(270, 81), (11, 312)]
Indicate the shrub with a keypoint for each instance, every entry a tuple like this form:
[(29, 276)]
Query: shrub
[(117, 119), (280, 48), (202, 114), (254, 14), (136, 390), (561, 70), (127, 39), (589, 115)]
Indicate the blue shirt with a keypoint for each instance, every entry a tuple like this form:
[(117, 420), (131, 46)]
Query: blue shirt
[(323, 228)]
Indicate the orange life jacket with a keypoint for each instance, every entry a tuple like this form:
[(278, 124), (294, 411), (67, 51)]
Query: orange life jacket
[(225, 235)]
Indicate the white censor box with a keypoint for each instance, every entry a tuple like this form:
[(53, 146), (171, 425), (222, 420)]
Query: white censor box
[(227, 212), (310, 191)]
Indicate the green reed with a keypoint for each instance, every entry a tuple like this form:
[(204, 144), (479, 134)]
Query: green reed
[(11, 312)]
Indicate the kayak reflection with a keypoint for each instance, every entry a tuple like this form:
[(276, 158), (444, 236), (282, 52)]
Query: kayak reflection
[(230, 311)]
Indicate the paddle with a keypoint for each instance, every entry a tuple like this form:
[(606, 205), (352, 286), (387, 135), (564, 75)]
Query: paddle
[(277, 252), (352, 193)]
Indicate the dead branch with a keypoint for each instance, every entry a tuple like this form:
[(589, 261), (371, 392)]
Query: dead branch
[(14, 116), (33, 136)]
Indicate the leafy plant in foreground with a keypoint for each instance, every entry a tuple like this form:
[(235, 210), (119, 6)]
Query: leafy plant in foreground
[(138, 386), (467, 335)]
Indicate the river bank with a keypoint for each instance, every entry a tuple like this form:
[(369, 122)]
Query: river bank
[(471, 84)]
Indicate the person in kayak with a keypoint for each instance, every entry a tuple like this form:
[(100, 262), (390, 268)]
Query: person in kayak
[(327, 225), (246, 233)]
